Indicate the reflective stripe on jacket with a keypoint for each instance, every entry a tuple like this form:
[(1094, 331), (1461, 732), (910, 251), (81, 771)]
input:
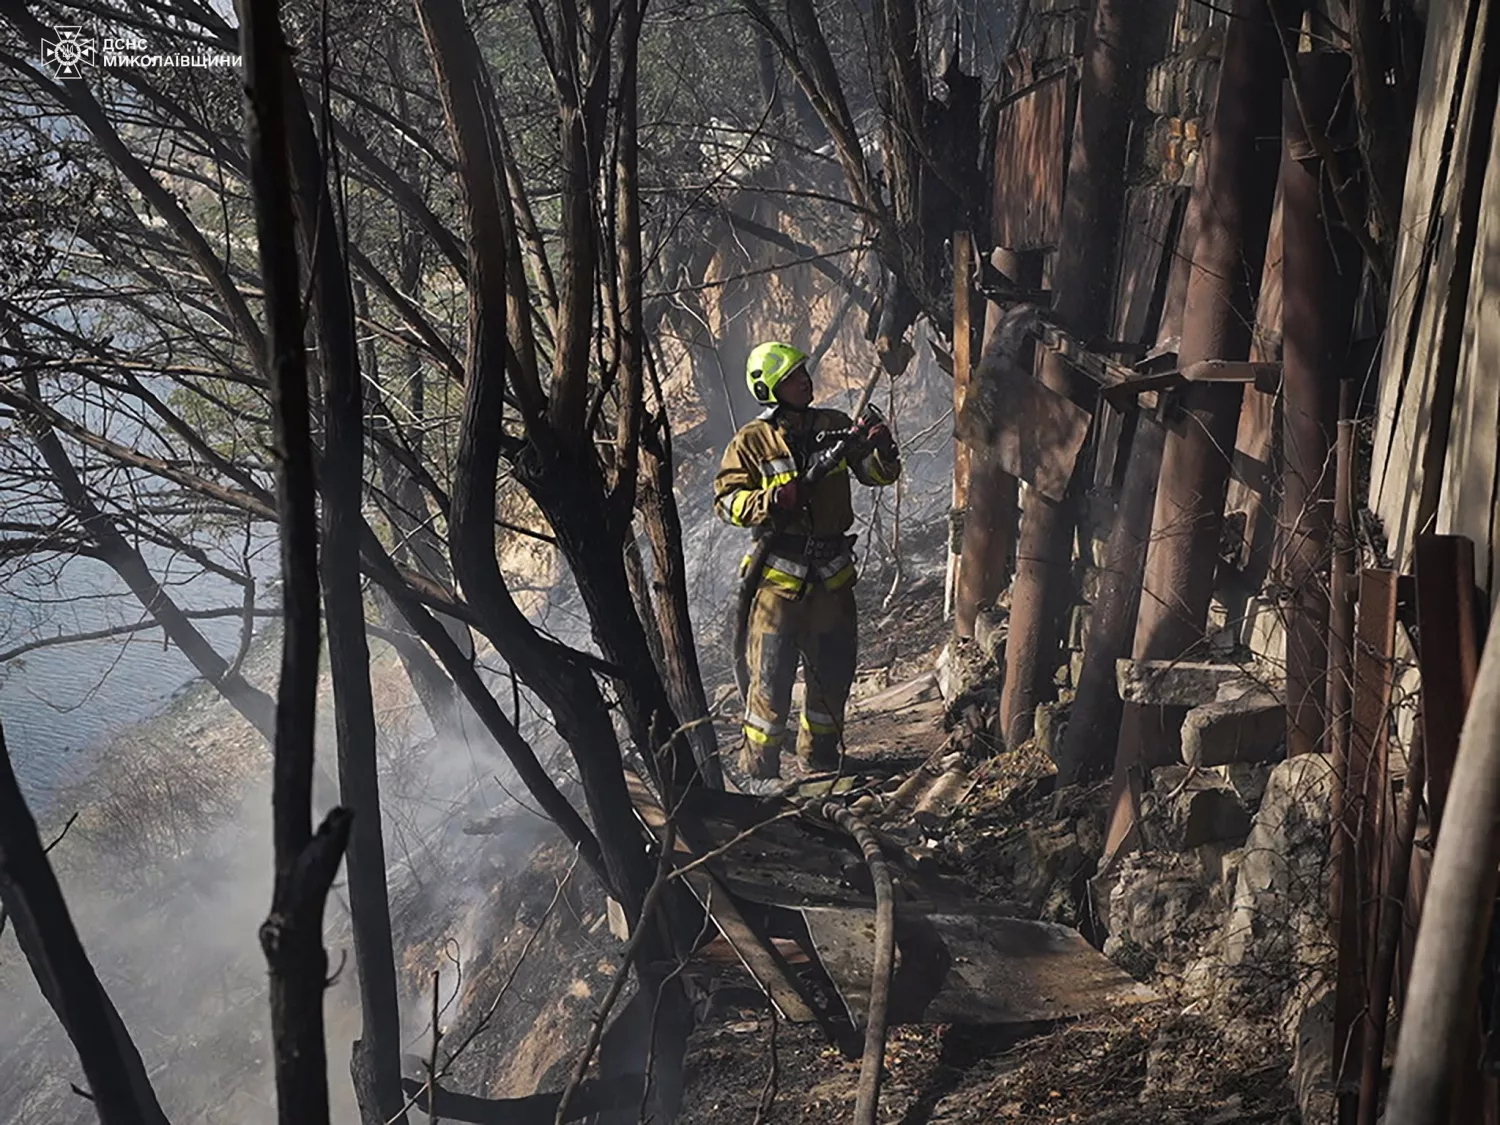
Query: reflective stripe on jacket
[(761, 457)]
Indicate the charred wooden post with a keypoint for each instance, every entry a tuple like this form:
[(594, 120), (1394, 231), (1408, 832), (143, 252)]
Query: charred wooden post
[(1232, 201), (1092, 203), (292, 934), (989, 511), (1321, 269)]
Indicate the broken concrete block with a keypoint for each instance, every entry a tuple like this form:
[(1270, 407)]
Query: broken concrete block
[(1189, 808), (1251, 728), (942, 669), (1213, 816), (963, 674), (1178, 683), (1161, 89)]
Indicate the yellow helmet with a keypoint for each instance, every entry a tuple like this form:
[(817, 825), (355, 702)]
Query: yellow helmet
[(768, 365)]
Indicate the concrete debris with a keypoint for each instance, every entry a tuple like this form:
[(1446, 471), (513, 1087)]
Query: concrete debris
[(1249, 728), (1051, 721), (619, 925), (942, 798), (900, 696), (1159, 912), (916, 788), (1188, 808), (991, 626), (964, 673), (1180, 683), (1276, 940)]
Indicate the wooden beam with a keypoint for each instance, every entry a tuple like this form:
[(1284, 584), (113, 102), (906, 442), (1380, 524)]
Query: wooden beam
[(758, 953)]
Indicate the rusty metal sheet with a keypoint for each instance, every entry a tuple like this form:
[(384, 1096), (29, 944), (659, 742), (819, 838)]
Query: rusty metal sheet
[(1030, 166), (971, 968), (1153, 216), (1034, 433)]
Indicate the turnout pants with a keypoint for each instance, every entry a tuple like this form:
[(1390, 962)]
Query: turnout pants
[(821, 629)]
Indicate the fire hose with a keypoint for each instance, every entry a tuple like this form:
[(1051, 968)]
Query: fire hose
[(867, 1098), (823, 462)]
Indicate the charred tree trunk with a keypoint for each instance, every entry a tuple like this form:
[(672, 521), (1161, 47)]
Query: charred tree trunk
[(681, 670), (292, 934), (376, 1065), (1321, 265), (1113, 77), (118, 1085), (1233, 195), (572, 488)]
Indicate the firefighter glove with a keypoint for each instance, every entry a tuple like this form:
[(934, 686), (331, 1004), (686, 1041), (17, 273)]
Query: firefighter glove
[(873, 433), (788, 497)]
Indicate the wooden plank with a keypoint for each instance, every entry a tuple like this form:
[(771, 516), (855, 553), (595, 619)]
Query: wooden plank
[(1152, 216), (1471, 484), (759, 955), (1426, 265), (1448, 625), (1034, 433), (972, 969), (1030, 164), (1252, 475)]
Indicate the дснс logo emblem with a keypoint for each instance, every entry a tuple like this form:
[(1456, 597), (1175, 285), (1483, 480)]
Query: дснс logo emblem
[(68, 52)]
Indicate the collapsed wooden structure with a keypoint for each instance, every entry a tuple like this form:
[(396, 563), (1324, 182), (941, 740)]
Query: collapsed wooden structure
[(1214, 470), (792, 900)]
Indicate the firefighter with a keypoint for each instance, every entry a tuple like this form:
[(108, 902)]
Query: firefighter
[(804, 604)]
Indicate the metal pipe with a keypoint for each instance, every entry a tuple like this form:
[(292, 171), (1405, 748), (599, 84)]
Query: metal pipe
[(1231, 205), (1320, 269), (1439, 1010), (1111, 84), (963, 293), (1238, 184), (1089, 742)]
